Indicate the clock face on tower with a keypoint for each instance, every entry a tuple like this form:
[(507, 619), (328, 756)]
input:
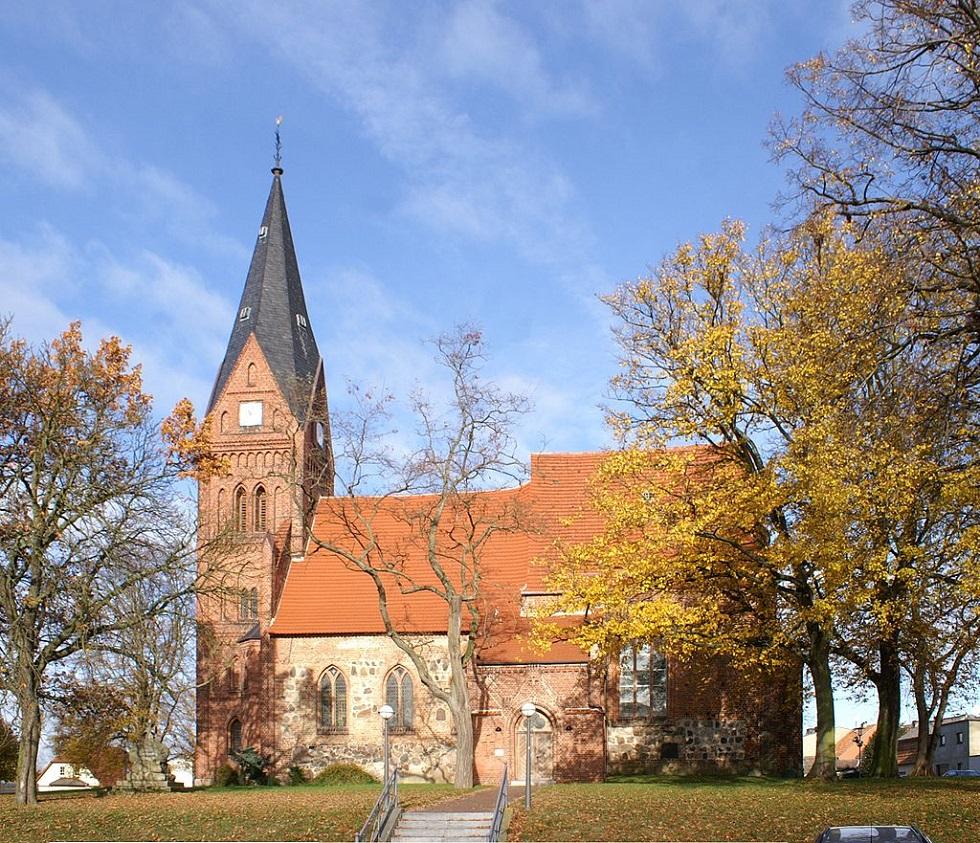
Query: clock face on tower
[(250, 414)]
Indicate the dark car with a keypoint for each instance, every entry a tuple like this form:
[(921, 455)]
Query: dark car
[(872, 834), (968, 773)]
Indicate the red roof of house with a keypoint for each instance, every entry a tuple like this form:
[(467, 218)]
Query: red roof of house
[(325, 594)]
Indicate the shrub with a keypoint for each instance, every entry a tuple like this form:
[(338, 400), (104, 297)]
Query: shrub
[(226, 776), (252, 765), (343, 774), (297, 775)]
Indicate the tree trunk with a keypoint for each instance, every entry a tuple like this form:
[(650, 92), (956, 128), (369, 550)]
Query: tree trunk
[(30, 738), (884, 760), (825, 758), (459, 704), (926, 741)]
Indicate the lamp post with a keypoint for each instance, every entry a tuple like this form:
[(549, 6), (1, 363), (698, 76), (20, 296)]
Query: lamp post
[(528, 710), (859, 740), (386, 712)]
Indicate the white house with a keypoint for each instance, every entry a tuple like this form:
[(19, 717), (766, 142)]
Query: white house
[(60, 775)]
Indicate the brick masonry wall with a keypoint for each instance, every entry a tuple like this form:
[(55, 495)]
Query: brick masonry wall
[(235, 679), (564, 693)]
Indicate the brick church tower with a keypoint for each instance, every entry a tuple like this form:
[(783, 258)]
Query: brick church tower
[(268, 413)]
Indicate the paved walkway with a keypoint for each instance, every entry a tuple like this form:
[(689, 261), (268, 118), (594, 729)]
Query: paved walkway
[(484, 799)]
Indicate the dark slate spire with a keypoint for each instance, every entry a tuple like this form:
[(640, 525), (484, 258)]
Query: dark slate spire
[(273, 308)]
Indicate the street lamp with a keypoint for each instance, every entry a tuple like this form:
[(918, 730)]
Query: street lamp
[(528, 710), (859, 740), (386, 712)]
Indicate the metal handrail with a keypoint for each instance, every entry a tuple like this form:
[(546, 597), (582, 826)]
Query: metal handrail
[(381, 812), (496, 826)]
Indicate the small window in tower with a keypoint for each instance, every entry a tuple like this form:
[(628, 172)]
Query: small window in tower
[(318, 433), (263, 232), (301, 320), (250, 413), (244, 313), (260, 507)]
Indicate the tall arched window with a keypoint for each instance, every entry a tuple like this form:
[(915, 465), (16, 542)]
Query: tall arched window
[(333, 699), (235, 736), (260, 508), (251, 374), (248, 607), (222, 507), (642, 683), (241, 510), (399, 694), (223, 424)]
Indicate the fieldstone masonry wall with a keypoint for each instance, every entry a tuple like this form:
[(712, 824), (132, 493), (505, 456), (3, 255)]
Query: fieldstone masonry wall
[(687, 744), (427, 752)]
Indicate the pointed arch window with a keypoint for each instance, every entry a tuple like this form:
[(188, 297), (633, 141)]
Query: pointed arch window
[(333, 700), (400, 695), (642, 683), (260, 500), (248, 607), (251, 374), (235, 736), (241, 510)]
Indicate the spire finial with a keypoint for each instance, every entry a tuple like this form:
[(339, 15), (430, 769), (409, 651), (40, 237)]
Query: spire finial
[(278, 168)]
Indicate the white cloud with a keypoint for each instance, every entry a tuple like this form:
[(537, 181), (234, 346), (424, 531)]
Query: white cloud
[(482, 184), (177, 326), (482, 43), (45, 140), (42, 138), (626, 27)]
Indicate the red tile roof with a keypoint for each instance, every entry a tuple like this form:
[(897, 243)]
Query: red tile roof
[(327, 595)]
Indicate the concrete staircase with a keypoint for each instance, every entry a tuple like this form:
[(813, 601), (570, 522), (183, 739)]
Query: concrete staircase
[(443, 826)]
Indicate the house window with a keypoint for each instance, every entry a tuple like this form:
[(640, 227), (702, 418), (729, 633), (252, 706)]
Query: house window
[(942, 740), (399, 694), (241, 510), (235, 736), (260, 506), (333, 700), (244, 313), (642, 683), (959, 737), (248, 607)]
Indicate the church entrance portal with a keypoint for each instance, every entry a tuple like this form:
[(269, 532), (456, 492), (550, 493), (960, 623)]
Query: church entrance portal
[(542, 749)]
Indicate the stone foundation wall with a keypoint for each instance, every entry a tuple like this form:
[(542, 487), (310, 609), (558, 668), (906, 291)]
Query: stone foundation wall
[(685, 745), (425, 753)]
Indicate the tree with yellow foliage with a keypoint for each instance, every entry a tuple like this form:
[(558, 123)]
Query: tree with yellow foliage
[(766, 543)]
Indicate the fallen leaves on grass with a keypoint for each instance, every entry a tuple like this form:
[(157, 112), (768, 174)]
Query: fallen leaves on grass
[(746, 809)]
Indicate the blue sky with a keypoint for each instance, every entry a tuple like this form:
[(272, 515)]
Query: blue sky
[(500, 163)]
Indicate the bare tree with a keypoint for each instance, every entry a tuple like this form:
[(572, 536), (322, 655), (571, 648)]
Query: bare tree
[(434, 492), (890, 135)]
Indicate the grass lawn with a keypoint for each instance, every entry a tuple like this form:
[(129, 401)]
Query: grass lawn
[(672, 809), (274, 813)]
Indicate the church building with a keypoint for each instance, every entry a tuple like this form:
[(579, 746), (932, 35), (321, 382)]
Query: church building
[(293, 658)]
